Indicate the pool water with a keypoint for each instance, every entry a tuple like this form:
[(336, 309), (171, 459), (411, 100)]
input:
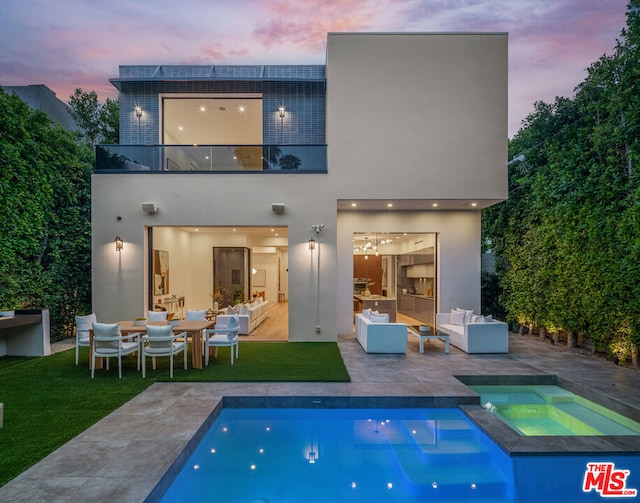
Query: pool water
[(368, 455), (390, 455), (549, 410)]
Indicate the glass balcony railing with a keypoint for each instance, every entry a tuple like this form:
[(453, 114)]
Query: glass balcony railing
[(211, 158)]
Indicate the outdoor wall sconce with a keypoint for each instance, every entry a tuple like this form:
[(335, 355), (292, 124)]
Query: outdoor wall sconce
[(312, 457), (149, 207), (138, 110), (312, 244), (282, 111), (119, 243)]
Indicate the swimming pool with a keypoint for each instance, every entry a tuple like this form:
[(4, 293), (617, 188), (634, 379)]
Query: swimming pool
[(368, 455), (550, 410)]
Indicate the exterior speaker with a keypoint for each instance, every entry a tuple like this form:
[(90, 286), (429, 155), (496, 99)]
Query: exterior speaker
[(278, 208), (149, 207)]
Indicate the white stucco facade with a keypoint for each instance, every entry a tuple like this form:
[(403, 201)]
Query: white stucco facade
[(413, 119)]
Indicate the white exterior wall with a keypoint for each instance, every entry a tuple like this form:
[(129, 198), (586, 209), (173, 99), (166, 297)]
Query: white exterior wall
[(409, 116), (417, 116), (119, 286)]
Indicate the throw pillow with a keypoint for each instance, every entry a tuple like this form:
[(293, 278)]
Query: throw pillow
[(467, 314), (488, 319), (199, 315), (366, 313), (457, 317), (476, 318), (382, 318), (243, 309), (106, 330), (229, 310), (160, 331)]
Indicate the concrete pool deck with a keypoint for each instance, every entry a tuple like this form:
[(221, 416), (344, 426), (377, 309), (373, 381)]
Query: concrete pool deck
[(123, 456)]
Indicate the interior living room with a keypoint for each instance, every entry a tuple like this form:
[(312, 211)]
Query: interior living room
[(213, 268)]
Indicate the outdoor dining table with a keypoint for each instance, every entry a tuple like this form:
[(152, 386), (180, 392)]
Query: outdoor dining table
[(193, 328)]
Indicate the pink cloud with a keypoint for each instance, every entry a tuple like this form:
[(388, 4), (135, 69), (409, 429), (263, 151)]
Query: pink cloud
[(305, 24)]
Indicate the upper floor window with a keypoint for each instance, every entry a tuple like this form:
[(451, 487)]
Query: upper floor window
[(212, 120)]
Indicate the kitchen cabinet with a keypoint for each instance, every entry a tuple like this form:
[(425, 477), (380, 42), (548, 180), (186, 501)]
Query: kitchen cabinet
[(419, 307), (406, 303), (424, 310), (420, 271)]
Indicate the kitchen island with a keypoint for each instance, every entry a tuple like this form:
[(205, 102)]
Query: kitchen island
[(378, 303)]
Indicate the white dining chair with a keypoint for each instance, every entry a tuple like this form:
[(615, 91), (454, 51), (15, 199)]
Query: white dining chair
[(108, 342), (226, 335), (83, 325), (160, 341)]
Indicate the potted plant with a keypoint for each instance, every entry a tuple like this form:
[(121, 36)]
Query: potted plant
[(217, 296), (140, 322)]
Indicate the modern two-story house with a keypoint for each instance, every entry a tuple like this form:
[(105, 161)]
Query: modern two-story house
[(269, 179)]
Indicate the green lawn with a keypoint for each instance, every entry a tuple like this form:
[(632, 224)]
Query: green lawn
[(48, 401)]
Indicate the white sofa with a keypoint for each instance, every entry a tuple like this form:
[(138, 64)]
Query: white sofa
[(250, 315), (475, 337), (381, 337)]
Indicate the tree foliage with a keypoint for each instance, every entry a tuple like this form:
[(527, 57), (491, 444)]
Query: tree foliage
[(99, 122), (567, 241), (45, 215)]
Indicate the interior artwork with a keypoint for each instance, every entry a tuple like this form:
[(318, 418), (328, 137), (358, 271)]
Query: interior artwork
[(260, 278), (160, 272)]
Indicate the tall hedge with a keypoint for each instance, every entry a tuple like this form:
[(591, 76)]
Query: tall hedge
[(45, 216), (567, 241)]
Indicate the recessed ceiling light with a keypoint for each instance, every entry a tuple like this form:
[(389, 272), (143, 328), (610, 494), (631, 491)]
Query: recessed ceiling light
[(272, 230), (180, 128), (353, 205), (241, 108), (435, 205), (474, 204), (234, 230), (195, 230), (203, 108), (389, 205)]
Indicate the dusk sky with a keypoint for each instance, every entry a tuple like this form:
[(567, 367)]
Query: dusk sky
[(80, 43)]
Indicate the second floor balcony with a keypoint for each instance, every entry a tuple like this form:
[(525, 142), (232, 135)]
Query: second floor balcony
[(211, 158)]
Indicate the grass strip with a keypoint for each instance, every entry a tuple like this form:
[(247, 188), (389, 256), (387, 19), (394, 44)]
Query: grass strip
[(50, 400)]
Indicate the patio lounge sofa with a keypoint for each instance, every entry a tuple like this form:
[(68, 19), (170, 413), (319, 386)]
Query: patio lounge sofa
[(379, 336), (474, 336)]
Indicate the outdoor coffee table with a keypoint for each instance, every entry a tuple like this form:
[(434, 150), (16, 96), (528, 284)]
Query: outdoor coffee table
[(426, 335)]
